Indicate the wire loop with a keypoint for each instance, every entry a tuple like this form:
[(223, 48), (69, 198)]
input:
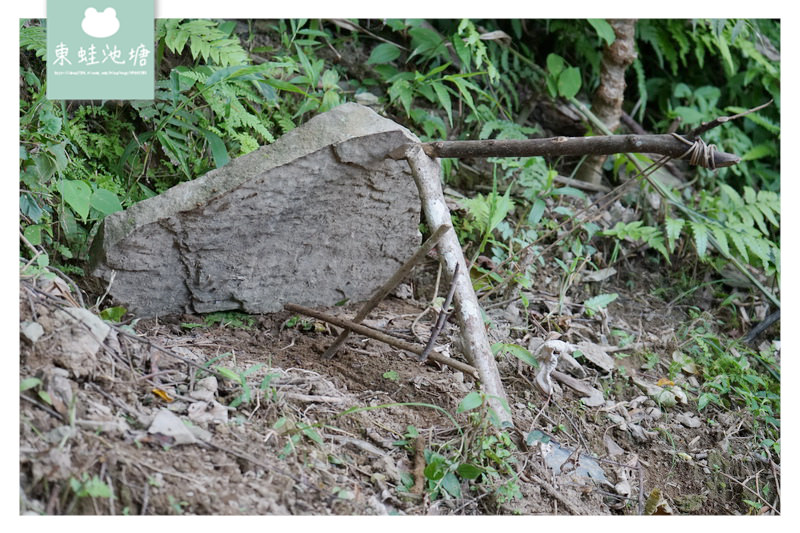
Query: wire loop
[(699, 153)]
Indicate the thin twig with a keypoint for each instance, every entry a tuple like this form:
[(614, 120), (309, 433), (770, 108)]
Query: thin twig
[(387, 287), (557, 495), (36, 253), (382, 337), (706, 126), (756, 494), (442, 320), (119, 403), (69, 281), (43, 407)]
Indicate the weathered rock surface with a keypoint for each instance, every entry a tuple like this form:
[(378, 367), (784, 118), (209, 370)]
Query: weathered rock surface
[(319, 216)]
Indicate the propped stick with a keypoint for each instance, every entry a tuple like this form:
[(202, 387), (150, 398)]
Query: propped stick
[(426, 172), (382, 337), (444, 314), (387, 287)]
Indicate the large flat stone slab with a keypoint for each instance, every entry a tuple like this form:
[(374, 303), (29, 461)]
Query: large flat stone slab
[(319, 216)]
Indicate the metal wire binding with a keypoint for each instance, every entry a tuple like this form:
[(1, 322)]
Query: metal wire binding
[(699, 152)]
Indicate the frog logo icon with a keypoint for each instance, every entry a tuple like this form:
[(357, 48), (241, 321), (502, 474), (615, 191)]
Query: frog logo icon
[(100, 25)]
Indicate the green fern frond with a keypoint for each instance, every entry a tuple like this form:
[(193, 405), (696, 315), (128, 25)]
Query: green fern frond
[(637, 231), (284, 122), (770, 204), (33, 38), (661, 42), (757, 118), (247, 143), (700, 232), (673, 227), (730, 195), (737, 237), (721, 237), (641, 85), (506, 129), (206, 41)]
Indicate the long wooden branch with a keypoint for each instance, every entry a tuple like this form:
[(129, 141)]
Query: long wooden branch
[(665, 145), (427, 175)]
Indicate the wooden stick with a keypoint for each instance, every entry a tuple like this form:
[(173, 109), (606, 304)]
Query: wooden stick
[(427, 175), (382, 337), (441, 321), (387, 287), (665, 145), (705, 126)]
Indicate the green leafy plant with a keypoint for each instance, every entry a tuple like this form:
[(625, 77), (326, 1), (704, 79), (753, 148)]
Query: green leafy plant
[(595, 304), (92, 487), (743, 56), (487, 212), (517, 351), (295, 432), (232, 319), (562, 80), (30, 383), (113, 314), (483, 462), (735, 376), (636, 231)]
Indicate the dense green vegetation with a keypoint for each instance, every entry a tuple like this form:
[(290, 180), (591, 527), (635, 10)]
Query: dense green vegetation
[(224, 88)]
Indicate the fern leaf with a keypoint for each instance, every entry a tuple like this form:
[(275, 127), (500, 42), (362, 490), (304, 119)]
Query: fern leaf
[(206, 40), (285, 122), (641, 85), (749, 195), (761, 120), (758, 217), (730, 195), (769, 204), (700, 232), (247, 143), (175, 149), (674, 226), (738, 241), (656, 242), (722, 239), (760, 249), (745, 217), (33, 38)]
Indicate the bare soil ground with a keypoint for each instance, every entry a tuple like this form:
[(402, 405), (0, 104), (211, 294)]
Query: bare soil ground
[(315, 436)]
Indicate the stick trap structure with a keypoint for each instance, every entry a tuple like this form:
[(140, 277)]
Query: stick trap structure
[(323, 214)]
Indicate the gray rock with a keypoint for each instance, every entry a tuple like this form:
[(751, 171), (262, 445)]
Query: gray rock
[(32, 331), (78, 335), (168, 424), (319, 216), (689, 419)]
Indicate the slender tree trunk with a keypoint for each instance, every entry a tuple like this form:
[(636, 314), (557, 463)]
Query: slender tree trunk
[(607, 103)]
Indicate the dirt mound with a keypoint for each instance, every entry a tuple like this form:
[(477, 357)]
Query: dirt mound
[(238, 414)]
